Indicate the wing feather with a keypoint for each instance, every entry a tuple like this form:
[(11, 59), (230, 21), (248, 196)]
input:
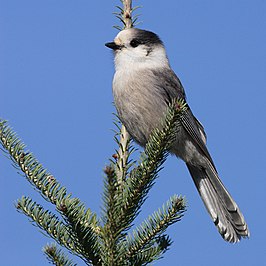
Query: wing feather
[(171, 88)]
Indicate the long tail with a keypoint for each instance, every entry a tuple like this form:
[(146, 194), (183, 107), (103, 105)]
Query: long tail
[(222, 208)]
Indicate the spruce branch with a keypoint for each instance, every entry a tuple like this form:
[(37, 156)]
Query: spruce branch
[(125, 15), (122, 206), (34, 172), (83, 223), (152, 252), (84, 226), (110, 231), (143, 236), (48, 222), (142, 177), (56, 255)]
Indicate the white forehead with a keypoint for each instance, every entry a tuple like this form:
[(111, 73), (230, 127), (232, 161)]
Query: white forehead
[(124, 35)]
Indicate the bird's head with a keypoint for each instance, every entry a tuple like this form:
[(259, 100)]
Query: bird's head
[(138, 48)]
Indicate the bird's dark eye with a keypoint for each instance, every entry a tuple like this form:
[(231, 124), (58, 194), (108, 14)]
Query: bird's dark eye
[(134, 43)]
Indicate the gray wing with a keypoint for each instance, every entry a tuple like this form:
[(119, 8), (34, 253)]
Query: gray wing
[(168, 84), (172, 89), (190, 123), (201, 129)]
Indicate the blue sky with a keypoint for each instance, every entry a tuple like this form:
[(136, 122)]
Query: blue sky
[(55, 84)]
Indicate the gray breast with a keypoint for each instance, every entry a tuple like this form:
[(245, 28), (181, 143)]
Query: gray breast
[(140, 103)]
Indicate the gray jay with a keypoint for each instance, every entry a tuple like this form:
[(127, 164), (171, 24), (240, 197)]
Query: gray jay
[(143, 86)]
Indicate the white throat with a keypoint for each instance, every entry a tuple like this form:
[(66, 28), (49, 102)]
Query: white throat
[(127, 59)]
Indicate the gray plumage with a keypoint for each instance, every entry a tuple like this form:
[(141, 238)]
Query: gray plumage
[(143, 86)]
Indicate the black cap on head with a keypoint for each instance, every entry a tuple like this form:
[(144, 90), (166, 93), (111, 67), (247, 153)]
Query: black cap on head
[(147, 37)]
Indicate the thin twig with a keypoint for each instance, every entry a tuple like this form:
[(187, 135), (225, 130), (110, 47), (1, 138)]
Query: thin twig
[(123, 152), (127, 13)]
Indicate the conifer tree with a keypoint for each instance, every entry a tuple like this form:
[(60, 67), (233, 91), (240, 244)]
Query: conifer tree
[(108, 239)]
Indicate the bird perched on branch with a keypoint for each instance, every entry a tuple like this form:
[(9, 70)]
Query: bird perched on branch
[(143, 86)]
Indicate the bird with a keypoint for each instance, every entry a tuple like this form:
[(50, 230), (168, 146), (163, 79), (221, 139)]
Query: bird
[(143, 86)]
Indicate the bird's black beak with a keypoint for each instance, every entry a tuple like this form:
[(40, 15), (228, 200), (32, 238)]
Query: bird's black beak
[(113, 46)]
